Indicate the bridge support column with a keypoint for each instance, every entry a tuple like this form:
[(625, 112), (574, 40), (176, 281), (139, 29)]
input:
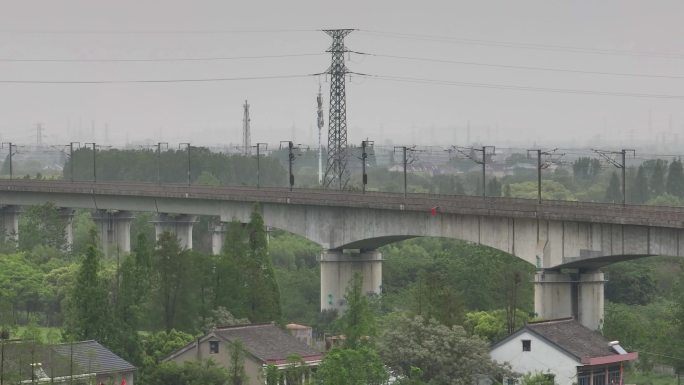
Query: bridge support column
[(337, 270), (115, 231), (578, 295), (10, 223), (179, 225), (67, 216), (218, 236)]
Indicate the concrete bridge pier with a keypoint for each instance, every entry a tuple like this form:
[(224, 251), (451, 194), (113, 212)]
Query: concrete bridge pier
[(67, 215), (9, 220), (180, 225), (337, 270), (218, 236), (577, 294), (115, 231)]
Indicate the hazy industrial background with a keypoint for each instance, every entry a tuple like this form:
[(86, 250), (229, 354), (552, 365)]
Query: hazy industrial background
[(618, 38)]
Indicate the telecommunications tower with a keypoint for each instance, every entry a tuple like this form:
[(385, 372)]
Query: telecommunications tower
[(319, 100), (336, 173), (246, 139)]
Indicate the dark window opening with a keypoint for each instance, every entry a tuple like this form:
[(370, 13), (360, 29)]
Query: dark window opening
[(213, 347), (527, 345)]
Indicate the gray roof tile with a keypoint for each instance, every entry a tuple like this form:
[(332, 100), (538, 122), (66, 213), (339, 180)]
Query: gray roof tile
[(91, 357), (267, 342), (573, 337)]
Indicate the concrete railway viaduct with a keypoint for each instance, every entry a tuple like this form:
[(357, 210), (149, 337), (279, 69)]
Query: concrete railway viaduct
[(568, 242)]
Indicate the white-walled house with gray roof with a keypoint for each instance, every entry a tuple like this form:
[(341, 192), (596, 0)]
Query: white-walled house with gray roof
[(566, 350)]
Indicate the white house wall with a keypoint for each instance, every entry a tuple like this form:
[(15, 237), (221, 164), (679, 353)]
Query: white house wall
[(543, 357)]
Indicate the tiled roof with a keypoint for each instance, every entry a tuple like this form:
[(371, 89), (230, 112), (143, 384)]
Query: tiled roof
[(267, 342), (91, 357), (88, 357), (571, 336)]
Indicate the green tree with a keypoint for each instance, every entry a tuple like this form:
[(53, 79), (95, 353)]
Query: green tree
[(494, 188), (639, 191), (158, 345), (657, 179), (436, 297), (171, 266), (236, 369), (485, 325), (204, 372), (42, 225), (613, 192), (537, 379), (360, 366), (675, 179), (665, 200), (133, 295), (89, 316), (551, 190), (677, 349), (229, 283), (630, 283), (220, 317), (358, 321), (263, 294), (446, 356)]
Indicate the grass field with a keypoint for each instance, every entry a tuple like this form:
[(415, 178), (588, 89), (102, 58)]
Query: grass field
[(641, 378), (55, 333)]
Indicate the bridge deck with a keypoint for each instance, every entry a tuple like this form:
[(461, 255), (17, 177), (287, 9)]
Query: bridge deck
[(672, 217)]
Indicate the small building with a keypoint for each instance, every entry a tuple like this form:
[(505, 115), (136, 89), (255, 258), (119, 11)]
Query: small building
[(265, 344), (85, 362), (565, 350), (301, 332)]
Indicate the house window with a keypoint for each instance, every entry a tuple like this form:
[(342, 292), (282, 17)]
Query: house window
[(527, 345), (599, 376), (613, 375), (583, 378), (213, 347)]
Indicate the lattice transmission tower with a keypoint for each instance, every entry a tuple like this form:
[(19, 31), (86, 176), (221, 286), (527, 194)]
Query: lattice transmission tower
[(336, 172), (246, 136)]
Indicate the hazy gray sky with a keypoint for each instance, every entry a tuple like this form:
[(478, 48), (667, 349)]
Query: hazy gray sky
[(403, 112)]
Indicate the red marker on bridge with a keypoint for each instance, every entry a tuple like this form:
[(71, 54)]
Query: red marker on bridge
[(433, 210)]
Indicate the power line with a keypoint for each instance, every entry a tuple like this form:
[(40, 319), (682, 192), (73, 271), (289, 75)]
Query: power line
[(176, 59), (150, 32), (519, 88), (196, 80), (522, 67), (534, 46)]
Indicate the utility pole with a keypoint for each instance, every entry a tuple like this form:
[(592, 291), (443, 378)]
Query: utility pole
[(542, 165), (290, 158), (364, 155), (468, 153), (336, 169), (11, 148), (159, 146), (71, 158), (405, 161), (246, 135), (258, 156), (187, 145), (608, 156), (94, 161)]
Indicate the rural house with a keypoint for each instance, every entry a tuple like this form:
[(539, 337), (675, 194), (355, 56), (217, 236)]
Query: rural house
[(565, 350), (264, 344)]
